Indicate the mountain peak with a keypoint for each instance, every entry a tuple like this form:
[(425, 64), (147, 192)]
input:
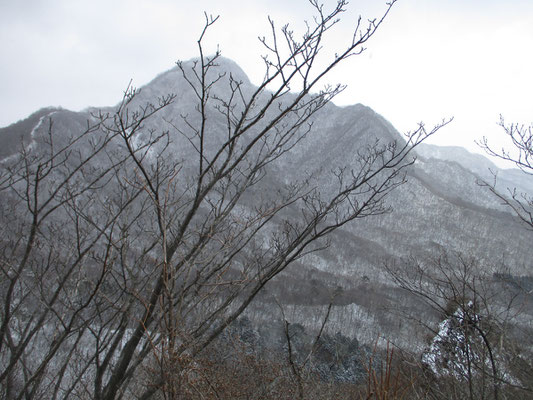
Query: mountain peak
[(222, 65)]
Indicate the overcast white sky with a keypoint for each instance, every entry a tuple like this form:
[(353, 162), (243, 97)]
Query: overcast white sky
[(470, 59)]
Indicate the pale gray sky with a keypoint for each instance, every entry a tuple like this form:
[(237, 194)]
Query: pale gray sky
[(432, 58)]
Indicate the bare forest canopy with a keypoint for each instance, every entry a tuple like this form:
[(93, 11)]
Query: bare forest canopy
[(139, 240)]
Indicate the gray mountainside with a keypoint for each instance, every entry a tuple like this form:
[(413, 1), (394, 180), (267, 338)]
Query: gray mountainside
[(440, 207)]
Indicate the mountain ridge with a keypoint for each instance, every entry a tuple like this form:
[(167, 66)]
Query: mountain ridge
[(440, 207)]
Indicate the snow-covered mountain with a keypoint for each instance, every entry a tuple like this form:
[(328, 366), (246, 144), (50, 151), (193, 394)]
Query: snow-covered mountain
[(441, 207)]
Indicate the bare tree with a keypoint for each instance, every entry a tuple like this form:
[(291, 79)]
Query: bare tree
[(122, 262), (521, 155), (473, 352)]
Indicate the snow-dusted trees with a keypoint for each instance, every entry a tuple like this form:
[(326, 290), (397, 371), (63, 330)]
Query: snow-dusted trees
[(481, 347), (131, 241)]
